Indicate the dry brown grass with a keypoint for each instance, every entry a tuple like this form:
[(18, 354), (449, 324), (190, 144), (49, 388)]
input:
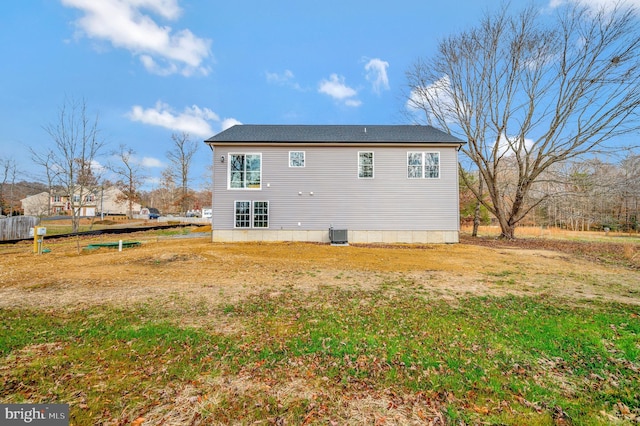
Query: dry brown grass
[(163, 267), (557, 233)]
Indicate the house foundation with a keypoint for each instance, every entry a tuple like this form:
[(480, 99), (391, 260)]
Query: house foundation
[(355, 237)]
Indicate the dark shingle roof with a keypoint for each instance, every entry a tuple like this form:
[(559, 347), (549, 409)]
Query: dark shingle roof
[(333, 134)]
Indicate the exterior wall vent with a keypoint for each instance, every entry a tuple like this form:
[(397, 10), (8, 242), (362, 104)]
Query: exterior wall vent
[(338, 236)]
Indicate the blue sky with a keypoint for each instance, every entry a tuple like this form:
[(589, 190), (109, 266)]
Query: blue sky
[(150, 68)]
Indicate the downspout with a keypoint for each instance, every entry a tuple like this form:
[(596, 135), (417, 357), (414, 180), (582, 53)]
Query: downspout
[(458, 190), (213, 192)]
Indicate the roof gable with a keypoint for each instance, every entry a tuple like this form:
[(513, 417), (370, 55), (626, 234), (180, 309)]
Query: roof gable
[(245, 133)]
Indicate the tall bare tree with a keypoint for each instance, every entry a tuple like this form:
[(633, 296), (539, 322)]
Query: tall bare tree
[(76, 147), (527, 92), (129, 176), (8, 173), (180, 157)]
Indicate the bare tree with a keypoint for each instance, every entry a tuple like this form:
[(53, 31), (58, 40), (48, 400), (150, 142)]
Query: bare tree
[(46, 161), (76, 146), (165, 195), (527, 93), (180, 159), (129, 176), (9, 170)]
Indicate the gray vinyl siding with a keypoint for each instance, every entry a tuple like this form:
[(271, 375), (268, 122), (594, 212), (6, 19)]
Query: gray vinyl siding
[(389, 201)]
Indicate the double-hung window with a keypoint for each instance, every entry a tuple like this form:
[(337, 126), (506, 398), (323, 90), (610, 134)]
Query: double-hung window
[(245, 171), (365, 165), (251, 214), (296, 158), (423, 165)]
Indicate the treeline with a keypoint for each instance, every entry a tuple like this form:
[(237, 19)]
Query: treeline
[(12, 192), (581, 195), (169, 199), (166, 197)]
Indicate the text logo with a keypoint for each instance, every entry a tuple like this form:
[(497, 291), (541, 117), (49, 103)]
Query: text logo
[(34, 414)]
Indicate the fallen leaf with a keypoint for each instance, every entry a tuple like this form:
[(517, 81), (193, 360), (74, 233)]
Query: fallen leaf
[(623, 408), (480, 410)]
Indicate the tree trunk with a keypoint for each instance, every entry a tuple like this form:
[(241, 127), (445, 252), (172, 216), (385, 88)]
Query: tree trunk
[(507, 226), (507, 231), (476, 213)]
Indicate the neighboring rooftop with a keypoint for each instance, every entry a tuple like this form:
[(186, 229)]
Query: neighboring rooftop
[(333, 133)]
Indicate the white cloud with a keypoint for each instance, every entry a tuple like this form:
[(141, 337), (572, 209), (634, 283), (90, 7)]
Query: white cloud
[(147, 162), (193, 120), (152, 181), (97, 167), (596, 4), (161, 50), (507, 146), (338, 90), (377, 74), (435, 95), (154, 68), (286, 78), (229, 122), (151, 162)]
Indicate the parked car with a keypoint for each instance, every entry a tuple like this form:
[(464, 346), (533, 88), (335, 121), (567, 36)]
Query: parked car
[(153, 213)]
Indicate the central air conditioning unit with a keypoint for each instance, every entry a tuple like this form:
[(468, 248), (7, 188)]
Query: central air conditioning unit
[(338, 236)]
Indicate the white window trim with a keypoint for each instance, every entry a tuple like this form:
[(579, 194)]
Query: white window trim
[(373, 165), (251, 214), (423, 176), (304, 160), (229, 154)]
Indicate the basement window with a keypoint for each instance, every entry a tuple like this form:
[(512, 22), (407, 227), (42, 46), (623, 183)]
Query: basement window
[(251, 214)]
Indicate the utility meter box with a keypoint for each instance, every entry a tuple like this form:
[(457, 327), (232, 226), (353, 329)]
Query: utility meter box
[(41, 231), (38, 233)]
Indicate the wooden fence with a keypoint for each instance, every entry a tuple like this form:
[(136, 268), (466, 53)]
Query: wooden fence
[(16, 227)]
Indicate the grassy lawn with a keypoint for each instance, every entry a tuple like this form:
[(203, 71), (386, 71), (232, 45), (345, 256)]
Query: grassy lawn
[(176, 331), (333, 356)]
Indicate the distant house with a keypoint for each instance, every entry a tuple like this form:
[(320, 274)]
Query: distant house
[(36, 205), (369, 184), (104, 200)]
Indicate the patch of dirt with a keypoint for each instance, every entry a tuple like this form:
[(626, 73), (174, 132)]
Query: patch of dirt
[(163, 269), (626, 254)]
